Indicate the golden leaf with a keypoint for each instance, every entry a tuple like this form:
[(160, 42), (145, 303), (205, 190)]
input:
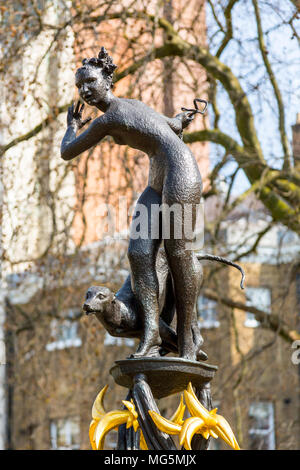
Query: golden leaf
[(197, 409), (92, 433), (223, 430), (178, 415), (108, 422), (98, 407), (215, 424), (190, 427), (143, 444), (164, 424), (103, 422)]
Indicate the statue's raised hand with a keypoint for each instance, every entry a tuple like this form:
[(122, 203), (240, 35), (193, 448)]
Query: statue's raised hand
[(186, 118), (74, 117)]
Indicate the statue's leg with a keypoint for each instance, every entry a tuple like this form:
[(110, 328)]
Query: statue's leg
[(198, 339), (178, 230), (186, 287), (142, 252)]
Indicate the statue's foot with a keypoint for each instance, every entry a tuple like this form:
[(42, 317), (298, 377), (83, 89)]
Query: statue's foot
[(201, 355), (189, 355), (198, 341), (152, 351), (149, 345), (193, 354)]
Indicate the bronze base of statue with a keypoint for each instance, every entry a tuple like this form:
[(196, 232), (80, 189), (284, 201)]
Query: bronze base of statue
[(165, 376), (148, 378)]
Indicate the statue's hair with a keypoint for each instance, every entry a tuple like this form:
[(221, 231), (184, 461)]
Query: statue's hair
[(104, 62)]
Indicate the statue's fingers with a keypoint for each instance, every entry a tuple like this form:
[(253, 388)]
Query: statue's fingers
[(70, 111), (77, 107)]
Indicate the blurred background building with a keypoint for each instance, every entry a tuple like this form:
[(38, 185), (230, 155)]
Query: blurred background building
[(55, 244)]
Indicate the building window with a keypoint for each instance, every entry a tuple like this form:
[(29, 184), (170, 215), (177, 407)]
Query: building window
[(207, 313), (113, 341), (65, 433), (261, 430), (64, 332), (260, 298)]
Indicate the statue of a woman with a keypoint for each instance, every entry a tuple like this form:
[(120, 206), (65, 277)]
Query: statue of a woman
[(174, 179)]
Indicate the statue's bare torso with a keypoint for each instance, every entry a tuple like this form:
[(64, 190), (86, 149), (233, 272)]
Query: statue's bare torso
[(132, 123)]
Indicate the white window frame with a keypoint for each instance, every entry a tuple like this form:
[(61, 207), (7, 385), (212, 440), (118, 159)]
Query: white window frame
[(270, 432), (115, 341), (250, 321), (67, 322), (211, 306), (54, 434)]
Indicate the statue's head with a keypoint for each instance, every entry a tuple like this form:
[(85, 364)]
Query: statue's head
[(95, 78), (97, 299)]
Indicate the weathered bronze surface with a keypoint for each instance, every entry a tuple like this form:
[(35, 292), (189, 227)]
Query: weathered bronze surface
[(164, 376), (163, 281), (174, 178), (121, 315)]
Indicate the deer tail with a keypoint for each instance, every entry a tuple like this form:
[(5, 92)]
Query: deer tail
[(220, 259)]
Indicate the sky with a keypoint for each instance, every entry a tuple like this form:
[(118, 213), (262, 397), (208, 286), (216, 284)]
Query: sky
[(243, 56)]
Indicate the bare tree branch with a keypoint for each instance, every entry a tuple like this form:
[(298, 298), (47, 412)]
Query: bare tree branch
[(281, 113), (229, 31), (267, 320)]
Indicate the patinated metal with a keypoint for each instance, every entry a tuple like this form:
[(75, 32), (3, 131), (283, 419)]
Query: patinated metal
[(166, 274)]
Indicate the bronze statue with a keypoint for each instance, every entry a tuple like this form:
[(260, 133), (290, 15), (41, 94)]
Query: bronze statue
[(174, 179), (121, 315), (162, 280)]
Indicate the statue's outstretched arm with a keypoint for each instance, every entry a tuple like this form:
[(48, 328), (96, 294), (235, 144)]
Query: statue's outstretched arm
[(71, 145)]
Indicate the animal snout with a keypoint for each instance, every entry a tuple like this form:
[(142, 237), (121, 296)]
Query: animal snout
[(87, 308)]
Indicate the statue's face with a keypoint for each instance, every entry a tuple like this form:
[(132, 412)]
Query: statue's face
[(91, 84)]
